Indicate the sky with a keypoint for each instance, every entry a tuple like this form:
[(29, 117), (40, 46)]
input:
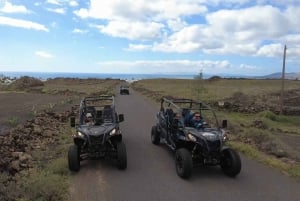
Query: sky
[(244, 37)]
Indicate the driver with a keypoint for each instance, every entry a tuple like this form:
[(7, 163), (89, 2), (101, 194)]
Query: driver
[(197, 120), (89, 121)]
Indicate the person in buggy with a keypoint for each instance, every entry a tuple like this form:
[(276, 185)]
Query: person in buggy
[(197, 121), (89, 120)]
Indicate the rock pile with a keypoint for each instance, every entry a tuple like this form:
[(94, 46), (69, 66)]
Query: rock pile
[(16, 148), (243, 103)]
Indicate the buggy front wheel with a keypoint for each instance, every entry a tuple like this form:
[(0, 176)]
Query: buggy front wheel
[(184, 163), (121, 156), (230, 162), (155, 138), (74, 158)]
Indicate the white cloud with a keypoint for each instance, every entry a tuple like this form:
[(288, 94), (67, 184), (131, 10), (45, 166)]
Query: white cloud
[(140, 9), (73, 3), (10, 8), (270, 50), (132, 30), (238, 32), (164, 66), (80, 31), (57, 10), (43, 54), (138, 47), (22, 24), (55, 2)]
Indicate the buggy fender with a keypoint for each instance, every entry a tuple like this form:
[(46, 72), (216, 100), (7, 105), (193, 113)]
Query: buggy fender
[(79, 141), (224, 148), (116, 138)]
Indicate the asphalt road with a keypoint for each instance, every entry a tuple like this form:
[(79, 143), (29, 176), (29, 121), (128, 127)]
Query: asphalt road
[(151, 174)]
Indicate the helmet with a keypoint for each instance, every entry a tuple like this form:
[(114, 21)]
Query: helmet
[(88, 115)]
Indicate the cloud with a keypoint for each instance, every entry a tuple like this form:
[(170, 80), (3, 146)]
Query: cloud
[(80, 31), (43, 54), (22, 24), (10, 8), (164, 66), (142, 20), (57, 10), (239, 32), (73, 3), (235, 29), (140, 10), (132, 30), (138, 47), (270, 50), (55, 2)]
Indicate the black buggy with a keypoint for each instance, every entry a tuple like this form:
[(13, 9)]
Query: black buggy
[(124, 89), (100, 135), (192, 146)]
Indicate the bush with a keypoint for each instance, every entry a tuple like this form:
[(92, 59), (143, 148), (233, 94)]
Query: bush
[(39, 188), (27, 82), (269, 115)]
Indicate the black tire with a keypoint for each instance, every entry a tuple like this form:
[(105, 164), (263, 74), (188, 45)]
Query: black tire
[(74, 158), (121, 156), (155, 137), (230, 162), (184, 163)]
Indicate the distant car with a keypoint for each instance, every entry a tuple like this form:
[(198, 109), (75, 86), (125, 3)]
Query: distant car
[(202, 146), (102, 138), (124, 90)]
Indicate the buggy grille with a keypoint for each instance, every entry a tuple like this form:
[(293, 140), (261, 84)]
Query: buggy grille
[(214, 145), (96, 139)]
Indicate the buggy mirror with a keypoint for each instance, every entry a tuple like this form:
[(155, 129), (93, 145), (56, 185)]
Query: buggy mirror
[(72, 121), (224, 123), (121, 117)]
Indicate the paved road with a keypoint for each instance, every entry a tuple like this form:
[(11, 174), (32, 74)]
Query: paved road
[(151, 174)]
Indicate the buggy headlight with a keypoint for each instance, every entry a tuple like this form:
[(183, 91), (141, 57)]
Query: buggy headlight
[(191, 137), (79, 134), (113, 132)]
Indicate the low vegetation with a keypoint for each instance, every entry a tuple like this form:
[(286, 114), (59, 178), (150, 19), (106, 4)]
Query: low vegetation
[(33, 163)]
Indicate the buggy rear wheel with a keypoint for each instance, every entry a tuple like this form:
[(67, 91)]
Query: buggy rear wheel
[(74, 158), (230, 162), (121, 155), (184, 163), (155, 138)]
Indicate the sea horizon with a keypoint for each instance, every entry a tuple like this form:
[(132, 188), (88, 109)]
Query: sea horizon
[(122, 76)]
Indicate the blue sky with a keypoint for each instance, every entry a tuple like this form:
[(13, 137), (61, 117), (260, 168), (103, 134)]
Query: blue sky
[(244, 37)]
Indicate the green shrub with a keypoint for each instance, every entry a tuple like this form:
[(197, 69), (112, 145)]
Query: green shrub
[(45, 186), (269, 115), (13, 121)]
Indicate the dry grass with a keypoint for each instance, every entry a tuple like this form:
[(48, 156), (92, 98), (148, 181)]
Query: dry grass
[(214, 89)]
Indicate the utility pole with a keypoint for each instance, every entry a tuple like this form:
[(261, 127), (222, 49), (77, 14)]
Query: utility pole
[(282, 81)]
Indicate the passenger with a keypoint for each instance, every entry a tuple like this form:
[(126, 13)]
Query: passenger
[(197, 121), (89, 121)]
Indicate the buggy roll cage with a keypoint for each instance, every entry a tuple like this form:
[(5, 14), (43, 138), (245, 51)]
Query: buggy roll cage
[(84, 108), (192, 105)]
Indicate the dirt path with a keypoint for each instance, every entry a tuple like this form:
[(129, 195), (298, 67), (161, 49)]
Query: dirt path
[(151, 173)]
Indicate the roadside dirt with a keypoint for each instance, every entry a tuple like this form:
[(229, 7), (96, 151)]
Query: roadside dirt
[(18, 107)]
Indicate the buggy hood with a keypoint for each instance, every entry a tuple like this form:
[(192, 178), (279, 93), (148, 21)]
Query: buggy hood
[(208, 133), (96, 130)]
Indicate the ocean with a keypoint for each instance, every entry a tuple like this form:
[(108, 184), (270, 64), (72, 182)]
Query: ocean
[(48, 75)]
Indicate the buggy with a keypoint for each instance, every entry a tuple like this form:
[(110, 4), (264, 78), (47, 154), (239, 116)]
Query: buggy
[(194, 146), (124, 89), (102, 138)]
